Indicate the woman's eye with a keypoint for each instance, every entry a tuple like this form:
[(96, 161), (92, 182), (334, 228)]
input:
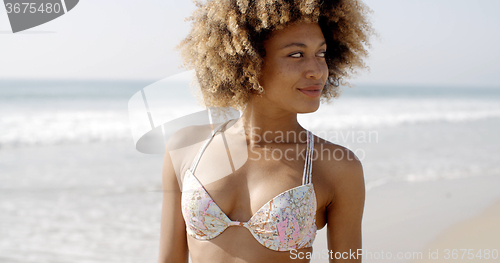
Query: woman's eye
[(300, 54), (322, 54)]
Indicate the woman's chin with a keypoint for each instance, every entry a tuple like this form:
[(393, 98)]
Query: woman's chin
[(308, 108)]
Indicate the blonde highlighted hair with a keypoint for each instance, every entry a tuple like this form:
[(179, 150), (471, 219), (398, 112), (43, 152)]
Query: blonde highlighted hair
[(226, 43)]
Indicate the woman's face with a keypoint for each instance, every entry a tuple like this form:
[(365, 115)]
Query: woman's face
[(294, 70)]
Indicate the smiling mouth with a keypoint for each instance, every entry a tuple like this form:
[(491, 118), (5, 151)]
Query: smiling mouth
[(312, 92)]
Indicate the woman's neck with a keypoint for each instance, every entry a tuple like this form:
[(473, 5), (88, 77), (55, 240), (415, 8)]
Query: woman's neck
[(269, 125)]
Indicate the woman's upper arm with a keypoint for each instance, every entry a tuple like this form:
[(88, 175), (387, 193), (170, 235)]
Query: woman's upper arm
[(345, 212), (173, 240)]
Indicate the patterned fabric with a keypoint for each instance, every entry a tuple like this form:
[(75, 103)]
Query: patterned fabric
[(286, 222)]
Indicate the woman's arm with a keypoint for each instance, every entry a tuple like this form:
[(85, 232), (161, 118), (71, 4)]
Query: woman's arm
[(173, 241), (345, 212)]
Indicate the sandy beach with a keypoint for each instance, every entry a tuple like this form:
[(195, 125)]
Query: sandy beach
[(403, 220), (473, 240)]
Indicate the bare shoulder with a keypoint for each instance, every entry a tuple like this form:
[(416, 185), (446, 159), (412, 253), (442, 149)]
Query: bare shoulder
[(188, 136), (185, 143), (338, 169), (337, 159), (182, 147)]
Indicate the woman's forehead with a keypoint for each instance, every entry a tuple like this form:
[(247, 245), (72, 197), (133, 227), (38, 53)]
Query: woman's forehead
[(303, 32)]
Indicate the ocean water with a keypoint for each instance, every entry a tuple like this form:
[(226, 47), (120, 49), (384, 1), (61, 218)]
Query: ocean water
[(74, 189)]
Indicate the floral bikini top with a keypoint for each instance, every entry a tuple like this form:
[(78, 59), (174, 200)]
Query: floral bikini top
[(286, 222)]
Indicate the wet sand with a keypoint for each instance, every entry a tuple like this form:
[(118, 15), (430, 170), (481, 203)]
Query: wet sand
[(402, 220), (473, 240)]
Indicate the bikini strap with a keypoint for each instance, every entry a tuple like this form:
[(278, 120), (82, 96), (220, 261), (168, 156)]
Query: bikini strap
[(306, 178), (205, 145)]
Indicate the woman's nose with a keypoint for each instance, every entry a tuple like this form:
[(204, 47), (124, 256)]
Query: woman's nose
[(314, 68)]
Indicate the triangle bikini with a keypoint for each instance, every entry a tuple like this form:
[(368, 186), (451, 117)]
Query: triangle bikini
[(286, 222)]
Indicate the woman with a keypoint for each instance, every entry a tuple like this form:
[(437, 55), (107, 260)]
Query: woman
[(263, 197)]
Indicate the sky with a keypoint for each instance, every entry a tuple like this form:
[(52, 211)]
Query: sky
[(421, 42)]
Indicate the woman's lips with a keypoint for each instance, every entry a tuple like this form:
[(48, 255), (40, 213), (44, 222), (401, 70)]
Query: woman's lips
[(313, 91)]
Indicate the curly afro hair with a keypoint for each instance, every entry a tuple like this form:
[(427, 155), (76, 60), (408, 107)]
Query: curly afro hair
[(226, 43)]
